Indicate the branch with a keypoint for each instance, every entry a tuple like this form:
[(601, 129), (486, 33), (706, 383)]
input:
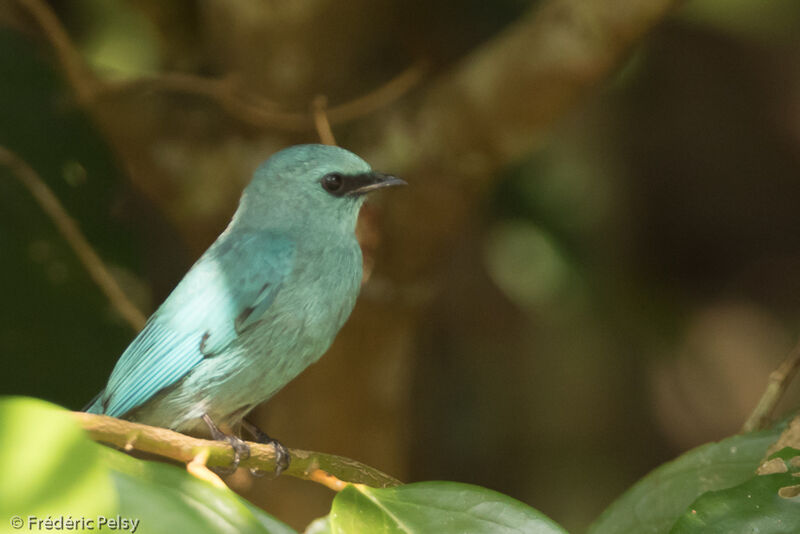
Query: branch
[(306, 465), (257, 111), (779, 380), (225, 92), (496, 105), (493, 108), (319, 107), (78, 76), (71, 233), (246, 107)]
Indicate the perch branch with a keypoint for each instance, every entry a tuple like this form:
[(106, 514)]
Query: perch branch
[(779, 380), (69, 230), (327, 469)]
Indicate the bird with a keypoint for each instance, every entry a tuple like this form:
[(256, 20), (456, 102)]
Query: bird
[(260, 305)]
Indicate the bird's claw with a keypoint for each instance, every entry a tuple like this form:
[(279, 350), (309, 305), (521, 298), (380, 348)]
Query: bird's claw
[(282, 456), (256, 472), (241, 450)]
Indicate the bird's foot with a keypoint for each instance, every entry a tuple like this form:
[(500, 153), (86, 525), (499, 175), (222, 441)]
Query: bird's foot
[(282, 456), (241, 450)]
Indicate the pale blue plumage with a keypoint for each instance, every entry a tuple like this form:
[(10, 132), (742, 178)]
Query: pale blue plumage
[(200, 317), (260, 305)]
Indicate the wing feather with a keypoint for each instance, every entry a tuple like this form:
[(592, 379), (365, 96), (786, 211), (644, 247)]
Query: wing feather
[(229, 288)]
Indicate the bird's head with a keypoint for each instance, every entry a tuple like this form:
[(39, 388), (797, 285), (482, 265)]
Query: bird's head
[(309, 185)]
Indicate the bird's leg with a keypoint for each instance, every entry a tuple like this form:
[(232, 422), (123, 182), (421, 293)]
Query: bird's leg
[(282, 456), (241, 451)]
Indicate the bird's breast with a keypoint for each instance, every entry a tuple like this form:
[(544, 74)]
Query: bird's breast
[(313, 303)]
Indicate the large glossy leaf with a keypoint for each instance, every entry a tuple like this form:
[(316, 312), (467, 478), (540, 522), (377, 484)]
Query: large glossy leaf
[(47, 466), (441, 507), (50, 468), (168, 499), (767, 504), (654, 503)]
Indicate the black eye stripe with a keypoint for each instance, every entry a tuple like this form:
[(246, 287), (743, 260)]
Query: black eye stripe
[(356, 185), (332, 182)]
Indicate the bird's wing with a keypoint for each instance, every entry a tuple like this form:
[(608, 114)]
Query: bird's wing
[(227, 290)]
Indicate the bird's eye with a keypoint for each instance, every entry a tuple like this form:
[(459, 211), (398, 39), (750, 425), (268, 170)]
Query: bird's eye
[(332, 182)]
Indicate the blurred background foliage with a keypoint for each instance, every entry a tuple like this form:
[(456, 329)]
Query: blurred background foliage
[(549, 320)]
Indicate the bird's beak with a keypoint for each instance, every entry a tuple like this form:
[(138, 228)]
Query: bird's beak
[(360, 184)]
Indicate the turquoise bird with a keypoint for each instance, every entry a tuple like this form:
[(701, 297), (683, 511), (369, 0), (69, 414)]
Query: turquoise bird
[(264, 302)]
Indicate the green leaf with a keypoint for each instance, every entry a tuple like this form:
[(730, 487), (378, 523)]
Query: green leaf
[(441, 507), (754, 506), (168, 499), (319, 526), (654, 503), (48, 467), (51, 468)]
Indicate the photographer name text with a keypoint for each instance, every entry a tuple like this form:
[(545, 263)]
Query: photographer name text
[(67, 522)]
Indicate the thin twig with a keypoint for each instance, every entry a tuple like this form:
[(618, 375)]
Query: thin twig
[(198, 467), (326, 479), (319, 110), (225, 92), (257, 111), (78, 76), (69, 230), (380, 97), (244, 106), (325, 469), (178, 82), (779, 380)]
